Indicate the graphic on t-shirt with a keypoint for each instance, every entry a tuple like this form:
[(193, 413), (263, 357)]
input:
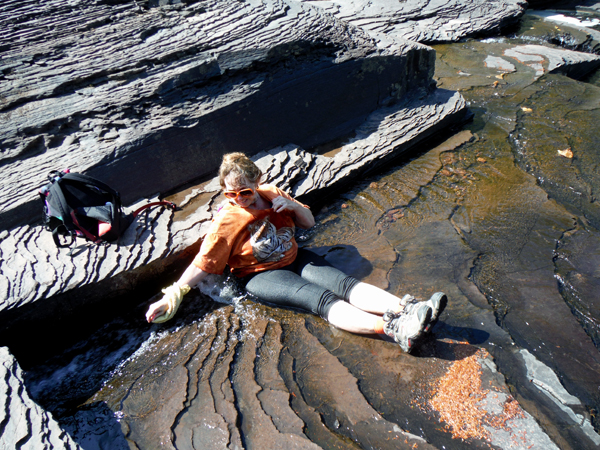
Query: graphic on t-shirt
[(268, 243)]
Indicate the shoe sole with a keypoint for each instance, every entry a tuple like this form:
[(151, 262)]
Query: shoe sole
[(438, 302)]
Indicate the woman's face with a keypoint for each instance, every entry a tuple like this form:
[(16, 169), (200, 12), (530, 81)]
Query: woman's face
[(233, 182)]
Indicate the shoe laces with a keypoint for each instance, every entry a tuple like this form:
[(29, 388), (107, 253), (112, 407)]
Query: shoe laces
[(390, 315)]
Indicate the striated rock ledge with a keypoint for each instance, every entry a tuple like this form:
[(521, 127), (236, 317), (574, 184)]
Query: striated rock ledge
[(23, 424), (428, 22), (162, 93)]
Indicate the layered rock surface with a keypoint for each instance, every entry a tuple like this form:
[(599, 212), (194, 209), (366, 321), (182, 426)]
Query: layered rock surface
[(112, 89), (23, 424), (430, 21), (222, 76)]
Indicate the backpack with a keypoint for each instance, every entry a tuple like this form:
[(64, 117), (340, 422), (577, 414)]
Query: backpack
[(76, 205)]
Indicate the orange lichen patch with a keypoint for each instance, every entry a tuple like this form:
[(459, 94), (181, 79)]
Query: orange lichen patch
[(459, 394), (511, 409), (456, 398)]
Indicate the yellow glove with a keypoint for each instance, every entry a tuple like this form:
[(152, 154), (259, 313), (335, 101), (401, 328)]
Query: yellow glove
[(172, 297)]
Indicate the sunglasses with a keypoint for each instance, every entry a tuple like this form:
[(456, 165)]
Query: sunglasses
[(244, 193)]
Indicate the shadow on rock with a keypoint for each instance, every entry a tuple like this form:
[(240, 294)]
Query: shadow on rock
[(96, 427), (450, 343)]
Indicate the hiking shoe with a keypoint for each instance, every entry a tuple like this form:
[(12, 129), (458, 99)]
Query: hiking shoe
[(437, 303), (406, 327)]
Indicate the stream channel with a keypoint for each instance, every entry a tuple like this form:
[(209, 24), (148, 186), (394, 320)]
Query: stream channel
[(494, 216)]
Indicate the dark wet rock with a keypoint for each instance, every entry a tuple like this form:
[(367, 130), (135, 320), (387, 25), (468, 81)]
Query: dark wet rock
[(250, 376), (235, 378), (547, 133), (432, 240), (547, 382), (519, 261), (529, 306), (428, 22), (563, 31), (577, 259), (23, 423)]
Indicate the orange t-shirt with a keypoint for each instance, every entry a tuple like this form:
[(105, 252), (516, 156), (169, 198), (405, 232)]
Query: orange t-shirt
[(249, 240)]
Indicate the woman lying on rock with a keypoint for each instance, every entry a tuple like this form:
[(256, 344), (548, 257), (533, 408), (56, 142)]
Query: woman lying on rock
[(254, 235)]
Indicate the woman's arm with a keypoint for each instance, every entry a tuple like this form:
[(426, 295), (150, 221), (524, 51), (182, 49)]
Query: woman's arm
[(191, 277), (303, 217)]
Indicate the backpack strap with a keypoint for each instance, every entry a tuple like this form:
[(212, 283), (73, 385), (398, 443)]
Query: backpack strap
[(85, 232), (56, 239), (163, 203)]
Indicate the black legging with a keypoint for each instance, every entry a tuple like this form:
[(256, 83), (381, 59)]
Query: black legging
[(309, 283)]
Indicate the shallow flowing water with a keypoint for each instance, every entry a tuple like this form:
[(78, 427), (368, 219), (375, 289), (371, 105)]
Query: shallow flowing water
[(495, 217)]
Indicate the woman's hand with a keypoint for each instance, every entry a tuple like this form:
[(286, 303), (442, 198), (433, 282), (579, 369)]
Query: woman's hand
[(156, 310), (303, 218), (284, 204), (165, 308)]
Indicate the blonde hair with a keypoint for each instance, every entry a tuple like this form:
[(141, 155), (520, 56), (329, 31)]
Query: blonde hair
[(240, 165)]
